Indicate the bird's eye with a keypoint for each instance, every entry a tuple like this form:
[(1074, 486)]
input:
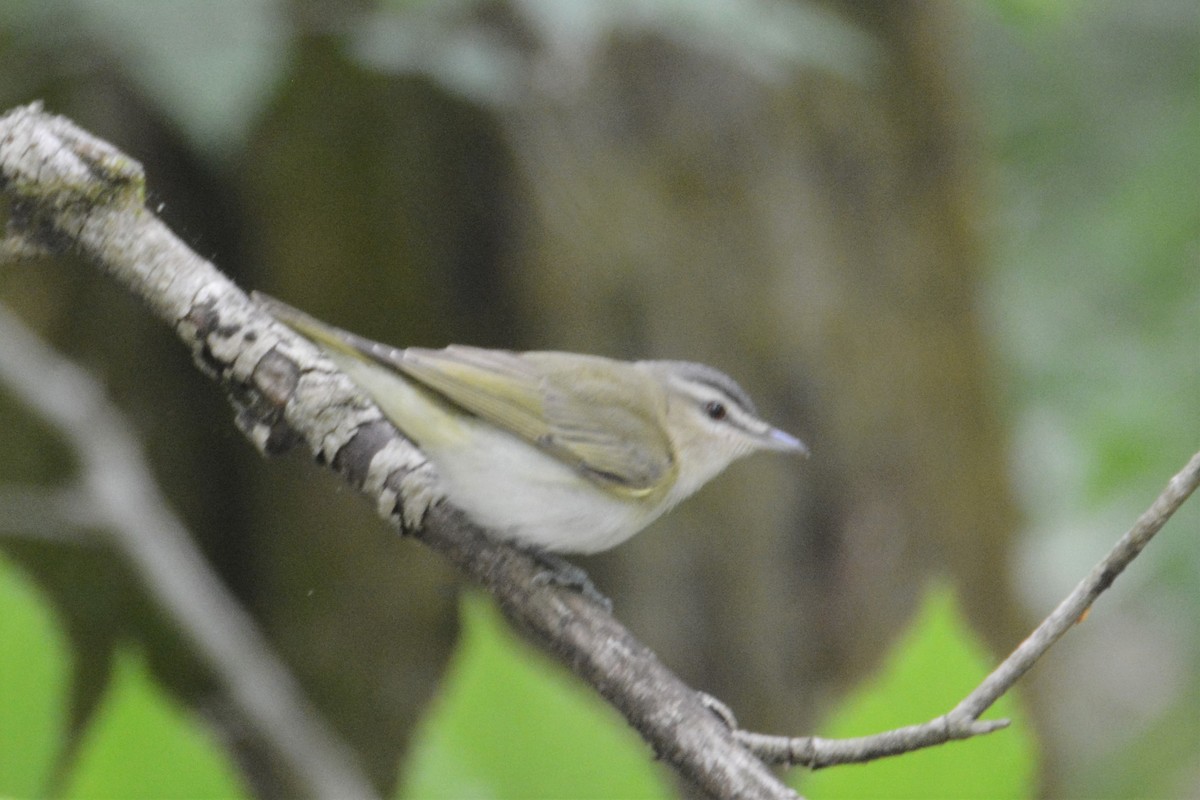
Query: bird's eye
[(715, 410)]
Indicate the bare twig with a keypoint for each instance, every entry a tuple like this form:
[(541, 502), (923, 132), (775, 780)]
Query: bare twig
[(963, 721), (122, 502), (71, 190)]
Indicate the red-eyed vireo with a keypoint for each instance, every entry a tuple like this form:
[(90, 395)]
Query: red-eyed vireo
[(559, 452)]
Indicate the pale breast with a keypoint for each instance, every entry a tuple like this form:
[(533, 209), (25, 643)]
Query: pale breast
[(522, 493)]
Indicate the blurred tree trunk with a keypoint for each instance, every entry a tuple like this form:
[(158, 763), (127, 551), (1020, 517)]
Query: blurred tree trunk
[(815, 238)]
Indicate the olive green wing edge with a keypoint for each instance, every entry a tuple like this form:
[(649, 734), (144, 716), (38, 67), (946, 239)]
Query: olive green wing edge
[(535, 396), (540, 397)]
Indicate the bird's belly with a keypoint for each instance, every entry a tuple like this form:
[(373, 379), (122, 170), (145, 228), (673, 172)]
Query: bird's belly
[(532, 498)]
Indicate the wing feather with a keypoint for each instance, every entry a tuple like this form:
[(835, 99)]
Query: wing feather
[(568, 405)]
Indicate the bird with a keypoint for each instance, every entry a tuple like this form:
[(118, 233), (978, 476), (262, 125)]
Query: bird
[(559, 453)]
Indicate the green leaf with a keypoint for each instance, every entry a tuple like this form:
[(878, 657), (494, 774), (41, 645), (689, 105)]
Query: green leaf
[(510, 723), (142, 744), (936, 663), (34, 670)]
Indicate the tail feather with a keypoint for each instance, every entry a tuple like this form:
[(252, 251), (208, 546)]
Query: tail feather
[(324, 334)]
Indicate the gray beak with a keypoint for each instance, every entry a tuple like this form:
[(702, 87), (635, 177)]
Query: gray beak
[(776, 439)]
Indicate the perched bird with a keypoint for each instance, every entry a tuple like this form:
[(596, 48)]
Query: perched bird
[(557, 452)]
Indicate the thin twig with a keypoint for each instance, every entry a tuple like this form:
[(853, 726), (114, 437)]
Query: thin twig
[(963, 721)]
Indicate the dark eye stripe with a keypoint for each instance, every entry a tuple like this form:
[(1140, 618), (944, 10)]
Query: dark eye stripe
[(717, 381)]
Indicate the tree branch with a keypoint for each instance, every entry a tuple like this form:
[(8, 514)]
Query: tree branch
[(70, 190), (963, 721)]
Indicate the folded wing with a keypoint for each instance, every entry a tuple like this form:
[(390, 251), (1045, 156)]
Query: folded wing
[(597, 415)]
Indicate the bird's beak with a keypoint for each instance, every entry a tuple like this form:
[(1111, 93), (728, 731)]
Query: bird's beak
[(776, 439)]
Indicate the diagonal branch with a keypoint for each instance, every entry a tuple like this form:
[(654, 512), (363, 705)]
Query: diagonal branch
[(963, 721), (70, 190)]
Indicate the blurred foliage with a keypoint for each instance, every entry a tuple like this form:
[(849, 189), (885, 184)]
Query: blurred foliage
[(35, 665), (935, 664), (770, 41), (1093, 116), (141, 744), (512, 723), (509, 723), (1097, 242), (211, 65)]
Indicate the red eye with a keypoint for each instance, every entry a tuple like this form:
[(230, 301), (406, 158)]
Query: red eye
[(715, 410)]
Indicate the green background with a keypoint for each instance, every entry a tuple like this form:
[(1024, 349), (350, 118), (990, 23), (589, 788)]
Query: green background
[(955, 247)]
